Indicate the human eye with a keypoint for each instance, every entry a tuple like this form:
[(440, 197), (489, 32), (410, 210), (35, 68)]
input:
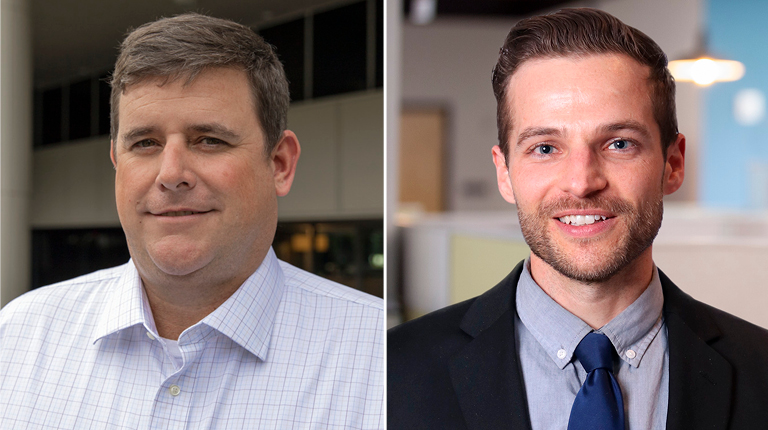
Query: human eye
[(144, 144), (543, 149), (212, 142), (621, 144)]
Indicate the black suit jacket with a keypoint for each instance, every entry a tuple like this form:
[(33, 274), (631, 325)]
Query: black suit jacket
[(457, 368)]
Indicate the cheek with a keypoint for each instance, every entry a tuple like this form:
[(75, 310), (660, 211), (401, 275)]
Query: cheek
[(246, 183), (531, 183), (642, 181), (131, 184), (123, 189)]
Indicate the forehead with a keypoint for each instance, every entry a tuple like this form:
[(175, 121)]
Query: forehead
[(579, 89), (219, 90)]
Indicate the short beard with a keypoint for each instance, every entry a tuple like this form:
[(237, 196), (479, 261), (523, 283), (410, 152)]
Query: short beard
[(643, 225)]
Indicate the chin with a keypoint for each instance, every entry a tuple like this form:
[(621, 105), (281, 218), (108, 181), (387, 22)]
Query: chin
[(178, 261), (178, 269), (179, 266), (592, 264)]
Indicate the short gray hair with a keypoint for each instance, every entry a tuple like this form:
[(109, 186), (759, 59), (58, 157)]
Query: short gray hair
[(182, 46)]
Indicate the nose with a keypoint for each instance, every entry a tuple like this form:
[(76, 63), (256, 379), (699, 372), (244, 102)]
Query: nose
[(175, 172), (583, 173)]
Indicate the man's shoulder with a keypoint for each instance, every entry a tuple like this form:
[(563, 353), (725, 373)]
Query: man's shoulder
[(738, 337), (743, 344), (736, 326), (437, 332), (63, 300), (708, 319), (418, 356), (320, 288), (443, 331)]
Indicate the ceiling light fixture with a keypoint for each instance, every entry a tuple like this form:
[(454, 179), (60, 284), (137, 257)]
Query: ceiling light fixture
[(423, 11), (704, 69)]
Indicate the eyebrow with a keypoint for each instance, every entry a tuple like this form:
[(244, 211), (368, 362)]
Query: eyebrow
[(630, 125), (215, 128), (137, 132), (537, 131), (207, 128)]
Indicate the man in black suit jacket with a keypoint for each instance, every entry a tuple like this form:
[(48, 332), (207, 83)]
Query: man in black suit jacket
[(588, 146)]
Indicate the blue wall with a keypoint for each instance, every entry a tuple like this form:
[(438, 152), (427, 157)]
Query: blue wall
[(737, 30)]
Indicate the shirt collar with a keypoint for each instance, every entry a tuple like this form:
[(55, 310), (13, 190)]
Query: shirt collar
[(246, 317), (637, 325), (559, 331), (125, 306)]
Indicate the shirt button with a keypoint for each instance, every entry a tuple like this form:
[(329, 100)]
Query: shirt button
[(631, 354), (561, 354), (174, 390), (149, 335)]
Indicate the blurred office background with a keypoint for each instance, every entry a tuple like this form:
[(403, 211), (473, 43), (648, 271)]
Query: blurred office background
[(58, 212), (450, 234)]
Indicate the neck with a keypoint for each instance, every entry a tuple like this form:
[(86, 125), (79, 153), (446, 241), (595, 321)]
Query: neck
[(595, 303), (175, 309), (179, 302)]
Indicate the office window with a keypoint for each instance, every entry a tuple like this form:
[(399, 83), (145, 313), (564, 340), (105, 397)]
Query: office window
[(288, 39), (379, 43), (52, 116), (58, 255), (80, 110), (104, 94), (339, 47), (347, 252)]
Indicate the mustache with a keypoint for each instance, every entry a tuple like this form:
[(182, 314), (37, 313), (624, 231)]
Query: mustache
[(614, 205)]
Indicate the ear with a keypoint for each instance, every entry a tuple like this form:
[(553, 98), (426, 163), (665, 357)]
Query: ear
[(112, 153), (674, 170), (502, 175), (284, 157)]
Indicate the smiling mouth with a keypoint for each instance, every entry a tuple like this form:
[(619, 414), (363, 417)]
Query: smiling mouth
[(181, 213), (579, 220)]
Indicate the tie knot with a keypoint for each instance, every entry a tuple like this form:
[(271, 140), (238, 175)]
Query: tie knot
[(595, 351)]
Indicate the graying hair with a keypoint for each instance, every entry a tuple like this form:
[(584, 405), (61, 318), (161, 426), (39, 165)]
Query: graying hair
[(183, 46)]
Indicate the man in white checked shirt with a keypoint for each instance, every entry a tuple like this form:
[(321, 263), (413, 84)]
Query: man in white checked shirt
[(204, 327)]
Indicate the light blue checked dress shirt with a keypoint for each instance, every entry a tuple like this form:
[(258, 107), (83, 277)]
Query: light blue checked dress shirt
[(547, 336), (288, 350)]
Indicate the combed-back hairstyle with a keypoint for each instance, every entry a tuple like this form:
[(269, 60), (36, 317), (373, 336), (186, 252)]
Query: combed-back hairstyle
[(582, 32), (183, 46)]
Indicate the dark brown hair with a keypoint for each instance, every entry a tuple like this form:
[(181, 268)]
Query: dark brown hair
[(578, 32), (182, 46)]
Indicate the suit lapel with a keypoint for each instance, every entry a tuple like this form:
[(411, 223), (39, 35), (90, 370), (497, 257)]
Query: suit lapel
[(486, 373), (700, 379)]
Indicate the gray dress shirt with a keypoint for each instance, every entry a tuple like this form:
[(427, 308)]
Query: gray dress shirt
[(547, 335)]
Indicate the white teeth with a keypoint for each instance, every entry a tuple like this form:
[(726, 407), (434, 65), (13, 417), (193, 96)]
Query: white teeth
[(579, 220)]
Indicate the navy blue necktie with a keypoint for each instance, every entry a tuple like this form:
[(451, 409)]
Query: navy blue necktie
[(599, 405)]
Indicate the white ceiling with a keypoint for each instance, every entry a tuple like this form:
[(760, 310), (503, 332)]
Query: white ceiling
[(73, 38)]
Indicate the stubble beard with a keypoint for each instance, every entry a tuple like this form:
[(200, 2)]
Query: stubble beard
[(642, 226)]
